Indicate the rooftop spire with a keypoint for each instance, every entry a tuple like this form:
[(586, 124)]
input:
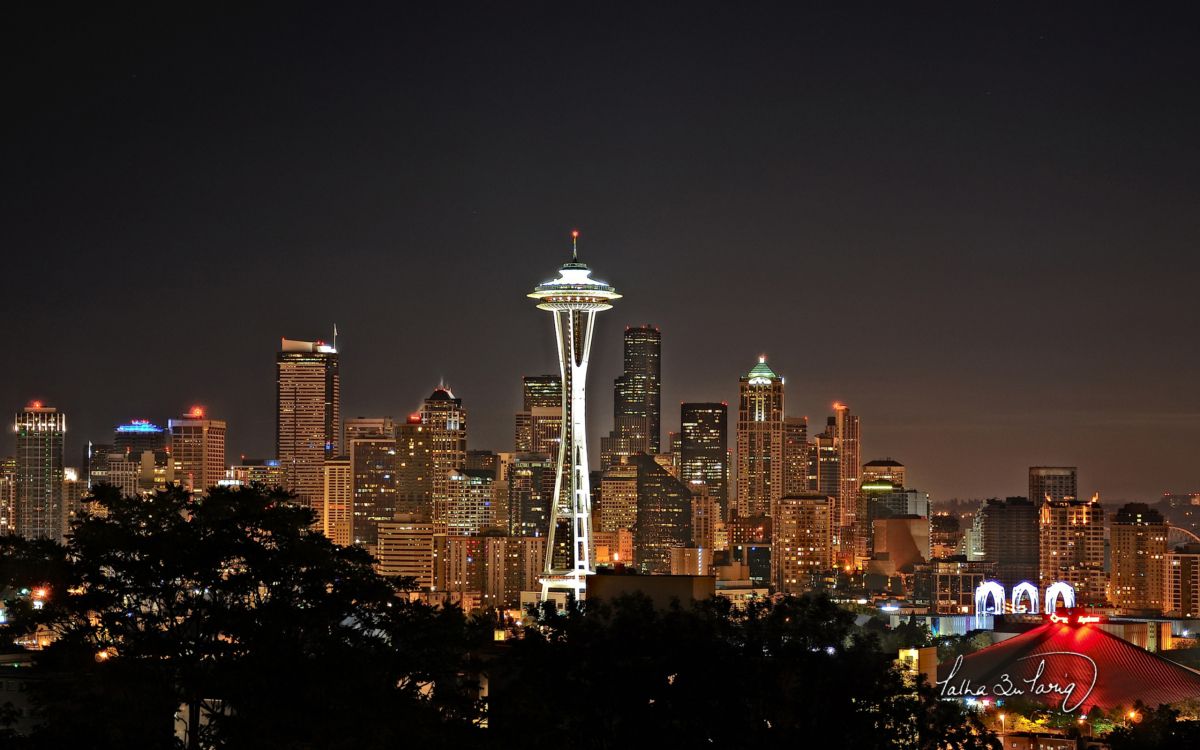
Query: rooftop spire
[(574, 245)]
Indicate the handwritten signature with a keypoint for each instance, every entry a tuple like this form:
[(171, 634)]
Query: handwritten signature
[(1072, 696)]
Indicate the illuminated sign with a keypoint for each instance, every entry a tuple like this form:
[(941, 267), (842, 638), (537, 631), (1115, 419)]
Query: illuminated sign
[(1023, 591), (1074, 678)]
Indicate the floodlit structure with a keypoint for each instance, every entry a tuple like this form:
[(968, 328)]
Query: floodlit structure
[(573, 298)]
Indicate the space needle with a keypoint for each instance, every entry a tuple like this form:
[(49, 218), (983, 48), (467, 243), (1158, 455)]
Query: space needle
[(574, 298)]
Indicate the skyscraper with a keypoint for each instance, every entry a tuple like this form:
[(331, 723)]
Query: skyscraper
[(1139, 559), (39, 482), (374, 465), (414, 482), (1008, 537), (1052, 483), (795, 455), (1071, 545), (704, 449), (530, 489), (308, 406), (197, 450), (637, 409), (573, 299), (539, 423), (139, 435), (664, 516), (846, 432), (445, 423), (337, 502), (824, 470), (885, 470), (760, 440)]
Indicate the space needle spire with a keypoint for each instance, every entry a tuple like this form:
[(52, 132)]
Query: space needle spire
[(573, 298)]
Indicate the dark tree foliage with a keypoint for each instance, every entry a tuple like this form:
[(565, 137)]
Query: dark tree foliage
[(232, 607), (1155, 728), (791, 672)]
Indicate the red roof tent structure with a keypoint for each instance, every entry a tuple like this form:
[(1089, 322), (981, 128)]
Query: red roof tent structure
[(1070, 666)]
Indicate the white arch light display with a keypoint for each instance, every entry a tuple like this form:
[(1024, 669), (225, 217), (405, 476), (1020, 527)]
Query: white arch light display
[(1054, 590), (1030, 592), (992, 590)]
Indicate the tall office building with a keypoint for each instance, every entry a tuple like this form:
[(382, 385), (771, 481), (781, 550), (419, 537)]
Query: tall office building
[(664, 516), (618, 502), (139, 435), (445, 421), (1052, 483), (414, 479), (1071, 546), (336, 510), (573, 298), (760, 440), (41, 431), (368, 427), (795, 455), (704, 449), (1008, 533), (406, 549), (8, 495), (197, 450), (637, 404), (802, 541), (309, 418), (1139, 559), (471, 508), (539, 423), (375, 465), (530, 478), (264, 471), (885, 470)]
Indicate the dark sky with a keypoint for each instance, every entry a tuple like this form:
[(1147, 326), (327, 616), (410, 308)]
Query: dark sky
[(978, 227)]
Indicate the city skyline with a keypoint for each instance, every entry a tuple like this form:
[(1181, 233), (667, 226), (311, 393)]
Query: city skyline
[(1011, 211)]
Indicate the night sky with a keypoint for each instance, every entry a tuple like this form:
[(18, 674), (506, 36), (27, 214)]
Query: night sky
[(980, 231)]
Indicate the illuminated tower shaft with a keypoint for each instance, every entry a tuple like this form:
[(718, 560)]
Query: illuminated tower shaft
[(574, 298)]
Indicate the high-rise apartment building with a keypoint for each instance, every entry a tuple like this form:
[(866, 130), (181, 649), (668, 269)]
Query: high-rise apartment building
[(637, 399), (309, 419), (336, 510), (795, 455), (802, 541), (1183, 581), (664, 515), (8, 495), (1052, 483), (760, 440), (704, 448), (375, 465), (198, 450), (1071, 541), (445, 422), (1139, 559), (41, 431), (847, 436), (1008, 534)]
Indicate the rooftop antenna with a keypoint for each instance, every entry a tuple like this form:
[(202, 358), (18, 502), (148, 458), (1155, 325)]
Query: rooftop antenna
[(574, 245), (335, 337)]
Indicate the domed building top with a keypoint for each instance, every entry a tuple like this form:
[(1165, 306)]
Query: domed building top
[(761, 373)]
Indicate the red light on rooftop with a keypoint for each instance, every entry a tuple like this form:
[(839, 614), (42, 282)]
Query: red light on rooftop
[(35, 404), (196, 412)]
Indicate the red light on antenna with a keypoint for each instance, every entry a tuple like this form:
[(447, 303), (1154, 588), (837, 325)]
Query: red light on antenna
[(574, 234)]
